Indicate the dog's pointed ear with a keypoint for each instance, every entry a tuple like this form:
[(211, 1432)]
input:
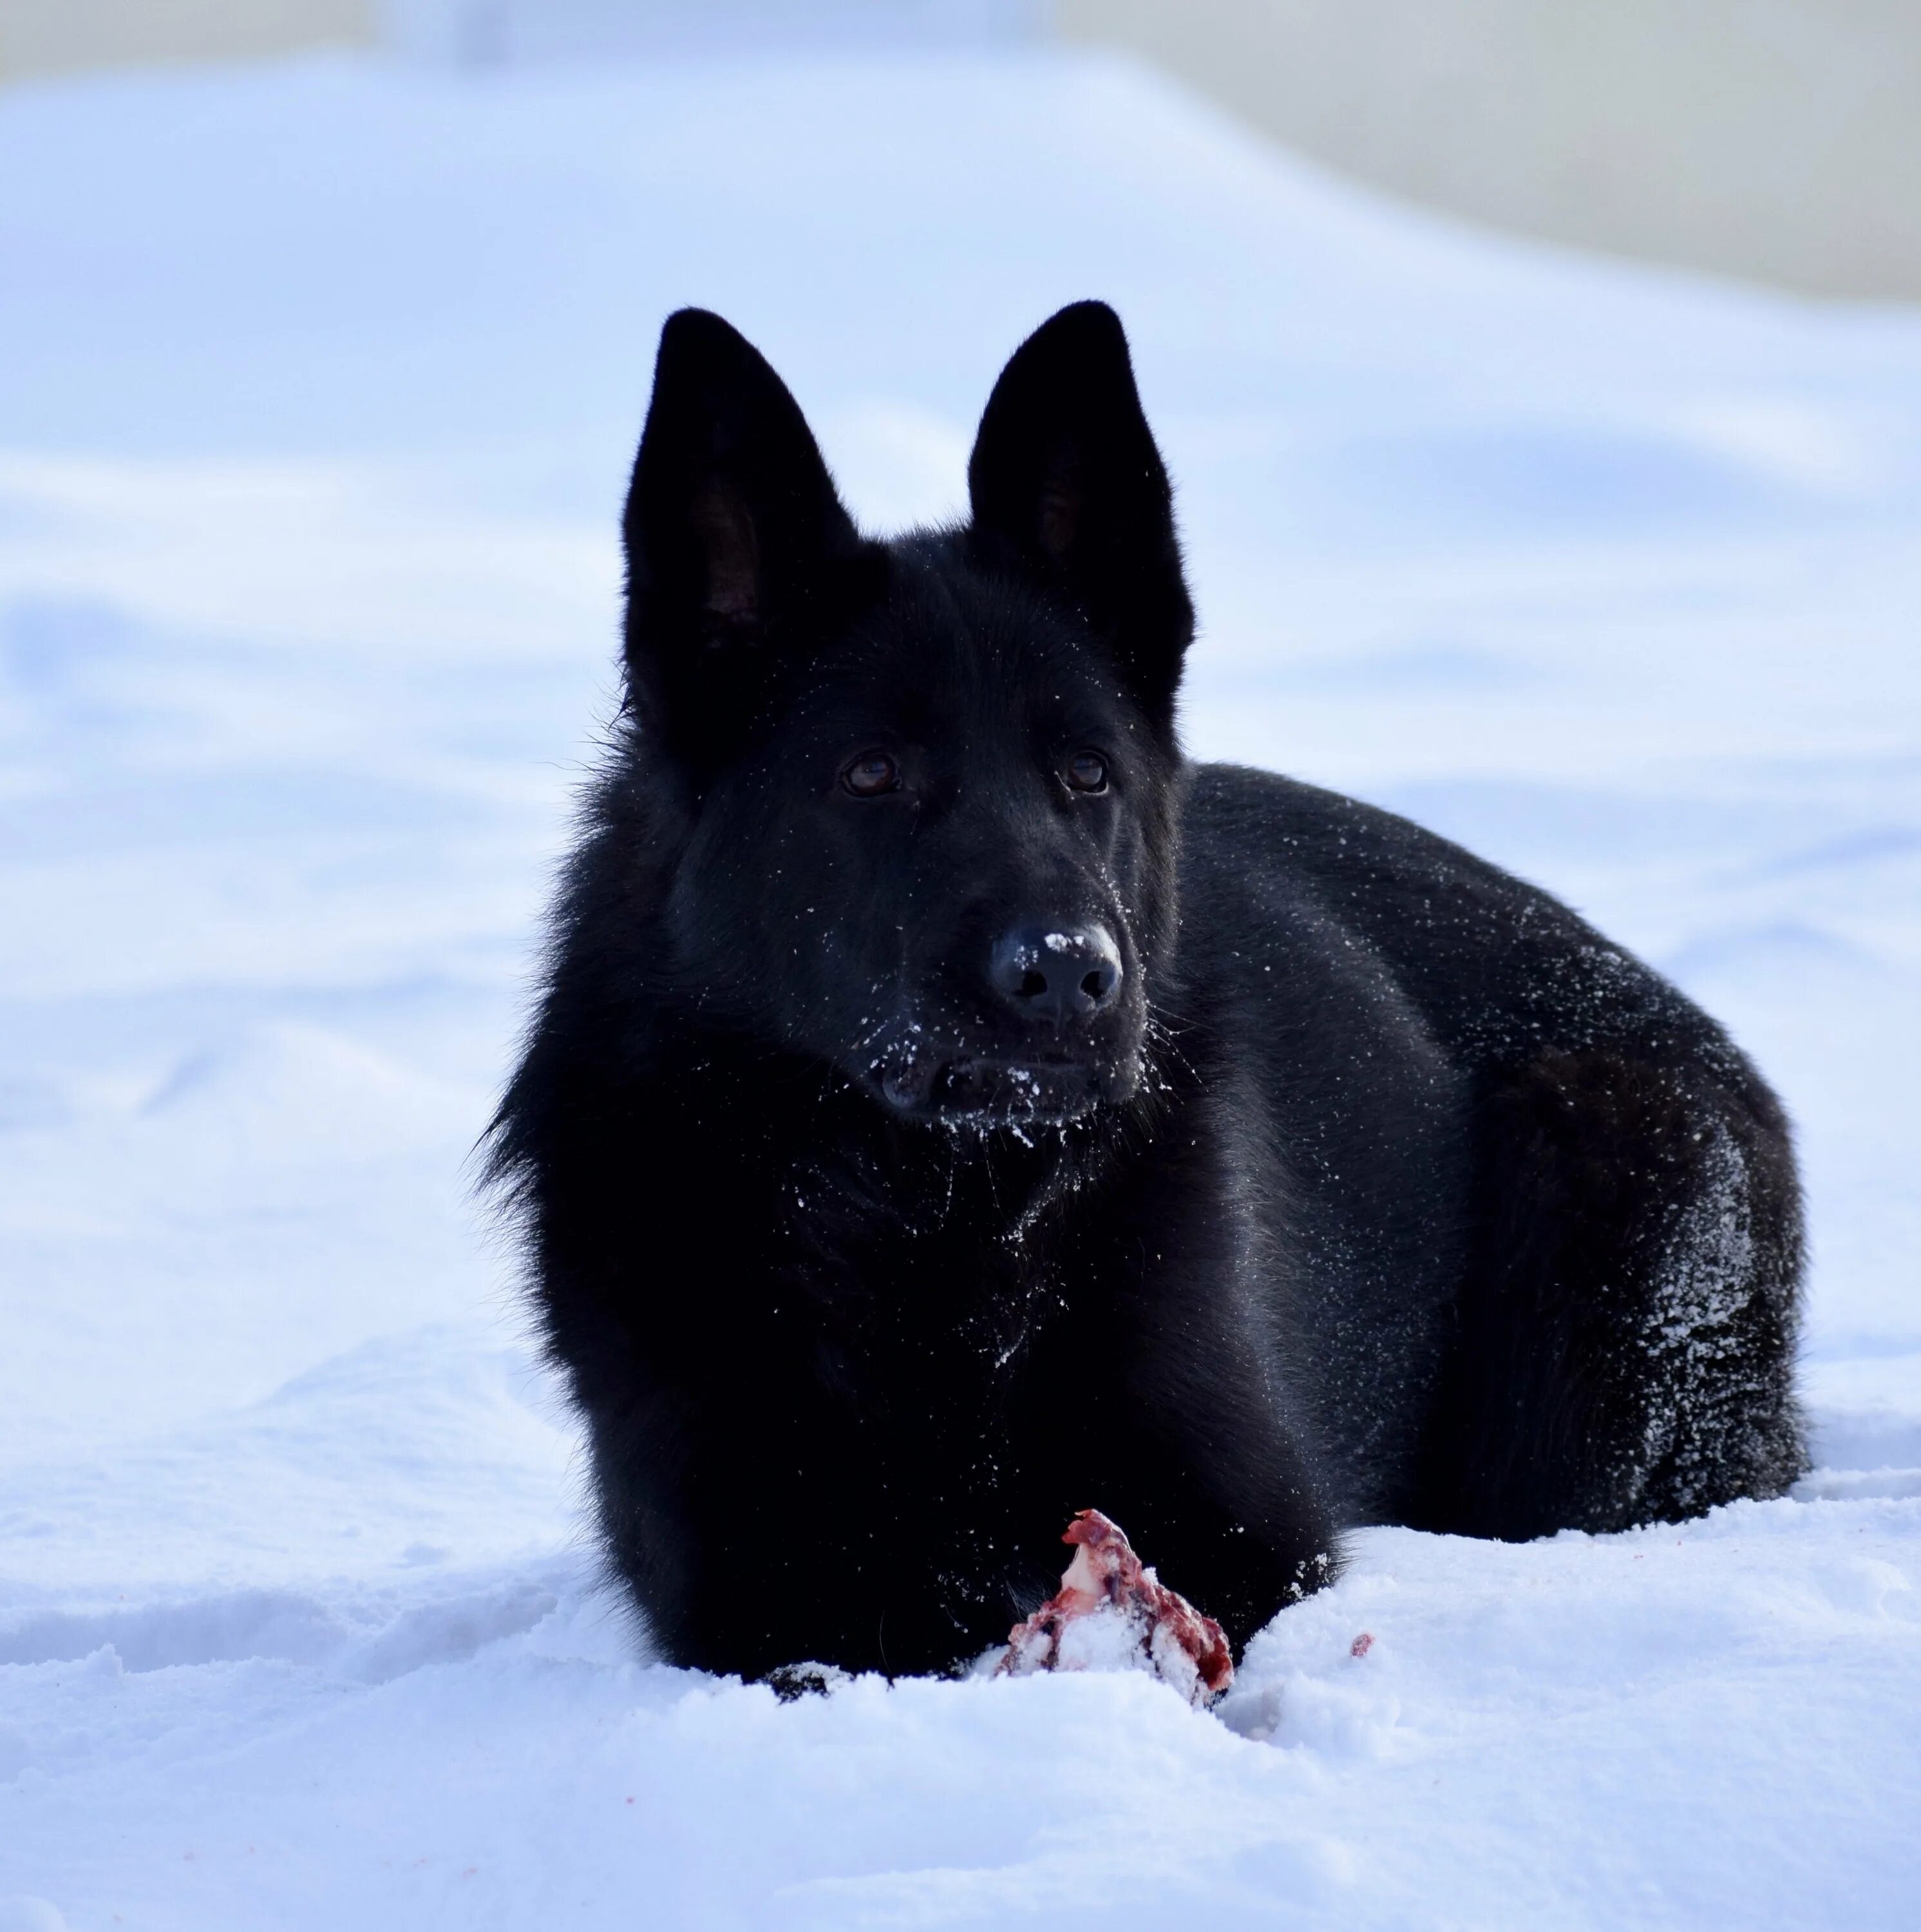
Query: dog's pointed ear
[(1068, 489), (739, 551)]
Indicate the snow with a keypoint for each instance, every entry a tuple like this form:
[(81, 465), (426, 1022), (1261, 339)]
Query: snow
[(319, 383)]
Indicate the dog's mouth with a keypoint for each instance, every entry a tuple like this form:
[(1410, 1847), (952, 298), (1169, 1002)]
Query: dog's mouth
[(976, 1090)]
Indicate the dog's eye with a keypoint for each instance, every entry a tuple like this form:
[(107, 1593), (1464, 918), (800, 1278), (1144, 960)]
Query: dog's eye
[(1087, 771), (870, 775)]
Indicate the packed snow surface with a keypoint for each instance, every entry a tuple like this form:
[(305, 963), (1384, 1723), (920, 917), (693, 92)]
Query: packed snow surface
[(317, 389)]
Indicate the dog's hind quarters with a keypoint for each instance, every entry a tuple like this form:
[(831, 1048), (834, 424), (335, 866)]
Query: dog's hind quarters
[(1624, 1349)]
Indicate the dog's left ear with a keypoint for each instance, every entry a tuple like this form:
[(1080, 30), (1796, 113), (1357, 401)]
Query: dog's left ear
[(1069, 489)]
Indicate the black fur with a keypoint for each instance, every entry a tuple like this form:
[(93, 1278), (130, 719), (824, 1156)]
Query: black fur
[(1336, 1177)]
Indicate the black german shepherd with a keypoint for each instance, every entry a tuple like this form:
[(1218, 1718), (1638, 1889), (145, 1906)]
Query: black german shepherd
[(950, 1108)]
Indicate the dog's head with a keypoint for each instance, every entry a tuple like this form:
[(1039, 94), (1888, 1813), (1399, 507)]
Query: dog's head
[(927, 788)]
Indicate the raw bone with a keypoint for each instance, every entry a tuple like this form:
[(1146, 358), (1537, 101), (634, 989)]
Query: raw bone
[(1111, 1612)]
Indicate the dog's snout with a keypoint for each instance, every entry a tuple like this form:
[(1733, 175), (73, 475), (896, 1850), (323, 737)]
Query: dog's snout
[(1057, 974)]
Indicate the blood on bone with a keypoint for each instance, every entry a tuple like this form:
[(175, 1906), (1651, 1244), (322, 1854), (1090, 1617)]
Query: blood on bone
[(1106, 1580)]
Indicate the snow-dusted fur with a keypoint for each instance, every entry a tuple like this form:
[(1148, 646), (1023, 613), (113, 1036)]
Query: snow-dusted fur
[(1366, 1184)]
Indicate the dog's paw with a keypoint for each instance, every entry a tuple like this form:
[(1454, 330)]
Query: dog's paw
[(788, 1681)]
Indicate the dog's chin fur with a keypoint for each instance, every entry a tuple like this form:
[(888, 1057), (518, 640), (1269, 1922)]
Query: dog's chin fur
[(982, 1090)]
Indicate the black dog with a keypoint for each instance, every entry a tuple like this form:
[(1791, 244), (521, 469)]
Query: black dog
[(951, 1109)]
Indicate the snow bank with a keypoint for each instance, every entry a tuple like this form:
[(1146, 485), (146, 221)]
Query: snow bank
[(1708, 1726), (319, 385)]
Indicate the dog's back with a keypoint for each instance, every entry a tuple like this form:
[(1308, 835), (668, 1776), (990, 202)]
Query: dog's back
[(1579, 1196)]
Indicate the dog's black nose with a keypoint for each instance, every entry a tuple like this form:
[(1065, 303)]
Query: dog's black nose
[(1056, 973)]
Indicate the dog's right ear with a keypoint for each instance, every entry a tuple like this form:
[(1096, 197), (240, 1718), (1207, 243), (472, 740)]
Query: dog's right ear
[(739, 551)]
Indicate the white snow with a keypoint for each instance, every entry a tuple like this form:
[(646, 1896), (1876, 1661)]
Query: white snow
[(318, 384)]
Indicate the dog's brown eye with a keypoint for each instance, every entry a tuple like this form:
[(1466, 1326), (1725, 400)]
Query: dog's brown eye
[(1087, 771), (871, 774)]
